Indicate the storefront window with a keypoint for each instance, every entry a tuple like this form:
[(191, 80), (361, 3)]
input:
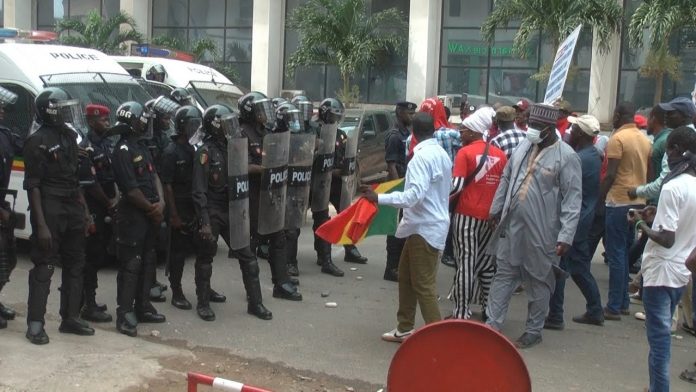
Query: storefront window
[(51, 11), (462, 13), (473, 81), (508, 86)]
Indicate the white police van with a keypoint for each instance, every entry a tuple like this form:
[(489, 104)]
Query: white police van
[(86, 74)]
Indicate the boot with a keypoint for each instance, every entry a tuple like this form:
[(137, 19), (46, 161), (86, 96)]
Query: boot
[(286, 291), (75, 326), (36, 333), (39, 287), (216, 297), (145, 312), (203, 273), (127, 324), (250, 276), (3, 323), (179, 300), (7, 313), (328, 267), (292, 270), (92, 312), (352, 255)]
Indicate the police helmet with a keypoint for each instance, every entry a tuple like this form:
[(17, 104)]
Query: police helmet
[(304, 105), (49, 105), (131, 117), (288, 118), (255, 107), (211, 119), (181, 96), (278, 101), (156, 72), (331, 111), (7, 97), (187, 120)]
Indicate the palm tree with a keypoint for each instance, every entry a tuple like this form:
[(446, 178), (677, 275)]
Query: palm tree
[(555, 18), (199, 49), (99, 33), (662, 18), (344, 34)]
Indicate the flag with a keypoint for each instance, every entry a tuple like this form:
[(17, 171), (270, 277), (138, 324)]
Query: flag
[(363, 219)]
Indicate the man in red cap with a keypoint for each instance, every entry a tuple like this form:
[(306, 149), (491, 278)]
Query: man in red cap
[(101, 197), (522, 117)]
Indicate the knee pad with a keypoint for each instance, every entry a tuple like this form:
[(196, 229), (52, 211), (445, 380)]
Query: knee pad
[(250, 267), (204, 271), (43, 272), (133, 265)]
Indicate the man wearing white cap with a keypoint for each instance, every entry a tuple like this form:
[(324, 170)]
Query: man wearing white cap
[(578, 259), (478, 168)]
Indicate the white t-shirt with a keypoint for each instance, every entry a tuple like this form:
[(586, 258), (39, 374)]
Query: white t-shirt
[(675, 212)]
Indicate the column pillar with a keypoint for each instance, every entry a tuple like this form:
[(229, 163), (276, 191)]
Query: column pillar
[(18, 14), (268, 36), (141, 11), (424, 32), (604, 79)]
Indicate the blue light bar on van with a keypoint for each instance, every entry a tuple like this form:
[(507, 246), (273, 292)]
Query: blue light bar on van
[(146, 50), (33, 35)]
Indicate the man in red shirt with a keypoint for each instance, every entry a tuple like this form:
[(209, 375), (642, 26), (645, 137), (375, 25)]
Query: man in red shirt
[(478, 167)]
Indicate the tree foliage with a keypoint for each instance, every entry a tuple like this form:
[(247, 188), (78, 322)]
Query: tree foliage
[(344, 34), (103, 34)]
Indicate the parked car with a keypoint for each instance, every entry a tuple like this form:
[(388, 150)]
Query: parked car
[(375, 124)]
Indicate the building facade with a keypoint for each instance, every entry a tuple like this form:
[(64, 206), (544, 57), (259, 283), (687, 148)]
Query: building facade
[(446, 53)]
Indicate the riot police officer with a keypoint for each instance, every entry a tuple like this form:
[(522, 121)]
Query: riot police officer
[(156, 73), (139, 215), (10, 145), (101, 197), (181, 96), (256, 119), (212, 195), (58, 213)]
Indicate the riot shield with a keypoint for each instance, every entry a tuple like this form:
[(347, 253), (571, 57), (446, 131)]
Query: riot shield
[(299, 178), (349, 180), (276, 150), (321, 184), (238, 192)]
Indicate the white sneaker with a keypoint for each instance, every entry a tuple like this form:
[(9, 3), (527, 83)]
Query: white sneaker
[(639, 316), (395, 336)]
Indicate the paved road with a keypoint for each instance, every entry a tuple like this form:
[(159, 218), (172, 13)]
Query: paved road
[(344, 341)]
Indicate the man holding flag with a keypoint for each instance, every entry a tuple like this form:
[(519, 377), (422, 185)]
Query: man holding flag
[(424, 225)]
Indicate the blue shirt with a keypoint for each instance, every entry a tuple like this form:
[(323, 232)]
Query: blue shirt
[(591, 164), (449, 139)]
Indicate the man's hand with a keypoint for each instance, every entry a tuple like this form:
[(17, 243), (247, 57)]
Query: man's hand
[(632, 193), (43, 236), (206, 233), (156, 213), (562, 248), (648, 214), (175, 222), (691, 262), (367, 192)]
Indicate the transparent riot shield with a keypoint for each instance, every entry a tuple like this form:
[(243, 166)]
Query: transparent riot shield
[(321, 184), (272, 196), (299, 178), (238, 191), (349, 171)]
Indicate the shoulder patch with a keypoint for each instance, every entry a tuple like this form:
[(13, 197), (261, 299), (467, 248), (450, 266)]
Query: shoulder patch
[(124, 147), (138, 159), (204, 157)]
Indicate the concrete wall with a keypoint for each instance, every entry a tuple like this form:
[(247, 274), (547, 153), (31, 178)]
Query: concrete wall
[(268, 37), (423, 49)]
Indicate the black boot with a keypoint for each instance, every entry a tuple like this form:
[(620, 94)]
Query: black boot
[(92, 312), (353, 255), (292, 270), (328, 267), (127, 324), (3, 323), (7, 313), (216, 297), (144, 310), (36, 333), (203, 273), (179, 300), (286, 291), (250, 276), (75, 326)]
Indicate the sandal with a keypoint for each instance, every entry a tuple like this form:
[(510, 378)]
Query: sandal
[(688, 376)]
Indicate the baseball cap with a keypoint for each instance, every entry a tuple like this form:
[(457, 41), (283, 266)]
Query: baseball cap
[(521, 105), (93, 110), (683, 105), (564, 105), (587, 123), (505, 113)]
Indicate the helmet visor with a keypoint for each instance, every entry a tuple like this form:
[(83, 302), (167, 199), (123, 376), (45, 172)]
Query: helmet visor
[(166, 106), (190, 126), (306, 108), (293, 120), (7, 97), (263, 108), (230, 125), (69, 112), (145, 125)]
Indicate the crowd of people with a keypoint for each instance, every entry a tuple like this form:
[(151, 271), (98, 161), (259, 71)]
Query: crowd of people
[(533, 190)]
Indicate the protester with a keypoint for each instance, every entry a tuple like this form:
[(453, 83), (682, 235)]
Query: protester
[(578, 259), (665, 273), (562, 124), (424, 225), (509, 136), (521, 114), (531, 234), (628, 152), (477, 171)]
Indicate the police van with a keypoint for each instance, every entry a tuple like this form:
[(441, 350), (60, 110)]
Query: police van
[(86, 74), (206, 85)]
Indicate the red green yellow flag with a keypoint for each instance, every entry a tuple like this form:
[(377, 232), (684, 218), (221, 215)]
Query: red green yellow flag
[(363, 219)]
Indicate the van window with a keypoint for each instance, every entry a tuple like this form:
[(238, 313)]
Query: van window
[(155, 89), (368, 127), (382, 122), (18, 117)]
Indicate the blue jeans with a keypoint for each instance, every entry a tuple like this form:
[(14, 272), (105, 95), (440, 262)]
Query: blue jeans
[(619, 238), (659, 303), (577, 263)]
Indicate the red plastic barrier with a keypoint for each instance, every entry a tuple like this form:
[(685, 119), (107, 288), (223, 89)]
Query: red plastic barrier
[(218, 383)]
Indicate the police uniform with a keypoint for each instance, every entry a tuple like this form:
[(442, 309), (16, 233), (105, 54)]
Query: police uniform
[(395, 152), (51, 166), (10, 145), (135, 233)]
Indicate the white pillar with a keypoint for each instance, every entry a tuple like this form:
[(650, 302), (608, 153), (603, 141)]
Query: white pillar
[(267, 51), (141, 11), (18, 14), (604, 79), (423, 49)]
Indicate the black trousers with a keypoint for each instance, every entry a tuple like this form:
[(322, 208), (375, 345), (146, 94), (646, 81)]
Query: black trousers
[(65, 218), (8, 250), (97, 246)]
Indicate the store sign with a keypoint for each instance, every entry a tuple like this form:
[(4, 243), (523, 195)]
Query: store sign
[(561, 65), (457, 48)]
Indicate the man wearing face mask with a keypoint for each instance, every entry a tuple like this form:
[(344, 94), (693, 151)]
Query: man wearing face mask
[(531, 235)]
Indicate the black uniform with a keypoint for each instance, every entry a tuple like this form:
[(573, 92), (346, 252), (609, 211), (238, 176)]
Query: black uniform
[(177, 170), (210, 199), (135, 233), (10, 145), (395, 152), (97, 167), (277, 256), (51, 165)]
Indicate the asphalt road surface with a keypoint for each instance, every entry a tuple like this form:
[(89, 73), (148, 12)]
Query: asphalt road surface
[(345, 341)]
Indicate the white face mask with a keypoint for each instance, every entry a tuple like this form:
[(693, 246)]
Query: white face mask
[(534, 135)]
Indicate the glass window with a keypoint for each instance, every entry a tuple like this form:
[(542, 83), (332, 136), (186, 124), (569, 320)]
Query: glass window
[(508, 86), (238, 45), (576, 90), (472, 81), (334, 83), (240, 13), (18, 117), (179, 34), (503, 55), (244, 71), (582, 57), (48, 11), (111, 7), (387, 85), (80, 8), (170, 13), (639, 90), (216, 35), (2, 13), (207, 13), (310, 79), (463, 48), (463, 13)]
